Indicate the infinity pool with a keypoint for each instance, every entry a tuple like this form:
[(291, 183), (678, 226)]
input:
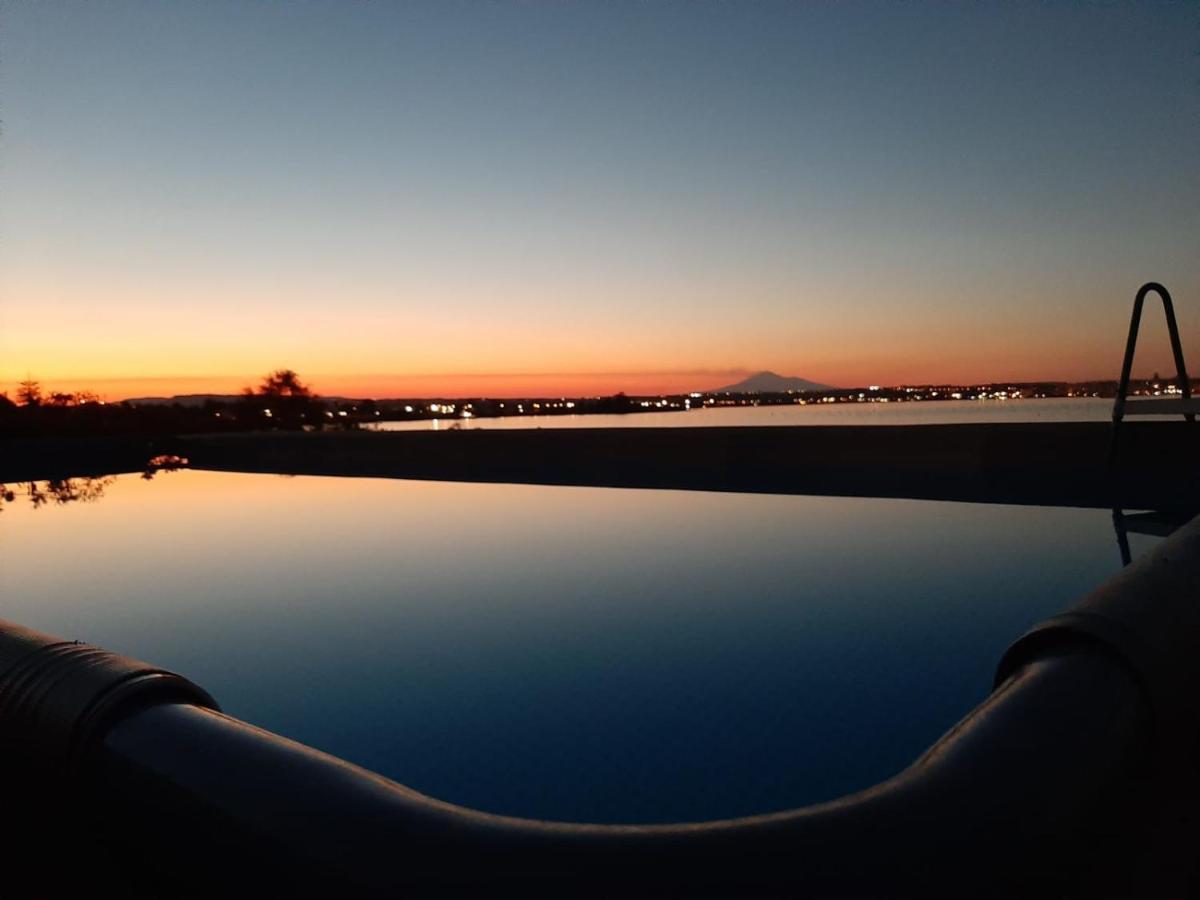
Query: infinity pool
[(573, 653)]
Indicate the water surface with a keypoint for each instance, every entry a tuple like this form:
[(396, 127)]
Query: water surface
[(942, 412), (588, 654)]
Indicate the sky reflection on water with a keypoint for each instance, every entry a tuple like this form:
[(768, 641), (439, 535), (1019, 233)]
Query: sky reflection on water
[(575, 653)]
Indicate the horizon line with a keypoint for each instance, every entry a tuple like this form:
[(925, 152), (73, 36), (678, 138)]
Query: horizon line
[(55, 383)]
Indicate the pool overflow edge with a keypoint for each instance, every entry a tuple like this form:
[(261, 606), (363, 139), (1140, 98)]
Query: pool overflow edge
[(1076, 774)]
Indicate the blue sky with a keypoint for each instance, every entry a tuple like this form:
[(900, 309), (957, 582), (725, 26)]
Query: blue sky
[(854, 192)]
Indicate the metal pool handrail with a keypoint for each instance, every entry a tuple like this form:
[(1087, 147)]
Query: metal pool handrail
[(1061, 781), (1163, 406)]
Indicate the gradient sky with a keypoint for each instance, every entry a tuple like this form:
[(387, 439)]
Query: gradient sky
[(527, 197)]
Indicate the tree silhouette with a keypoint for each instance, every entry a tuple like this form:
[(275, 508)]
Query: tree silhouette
[(60, 491), (29, 393), (284, 383), (281, 401)]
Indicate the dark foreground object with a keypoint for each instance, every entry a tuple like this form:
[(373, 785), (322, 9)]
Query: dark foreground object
[(1045, 464), (1051, 464), (1076, 777)]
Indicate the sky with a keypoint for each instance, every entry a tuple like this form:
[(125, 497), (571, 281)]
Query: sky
[(514, 198)]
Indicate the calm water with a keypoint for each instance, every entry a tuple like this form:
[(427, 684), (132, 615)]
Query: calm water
[(574, 653), (947, 412)]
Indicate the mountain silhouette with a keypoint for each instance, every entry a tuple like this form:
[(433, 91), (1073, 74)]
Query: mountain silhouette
[(770, 383)]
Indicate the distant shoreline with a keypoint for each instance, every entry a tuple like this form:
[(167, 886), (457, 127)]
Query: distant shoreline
[(82, 415)]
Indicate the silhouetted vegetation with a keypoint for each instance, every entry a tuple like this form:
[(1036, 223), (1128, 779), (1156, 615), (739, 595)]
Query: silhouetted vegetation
[(163, 462), (57, 492), (92, 418), (282, 401), (29, 393)]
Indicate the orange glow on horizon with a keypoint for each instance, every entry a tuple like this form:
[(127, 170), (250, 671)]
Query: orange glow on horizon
[(383, 355), (116, 389), (495, 338), (399, 386)]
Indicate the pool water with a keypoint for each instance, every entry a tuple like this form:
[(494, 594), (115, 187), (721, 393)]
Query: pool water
[(587, 654)]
